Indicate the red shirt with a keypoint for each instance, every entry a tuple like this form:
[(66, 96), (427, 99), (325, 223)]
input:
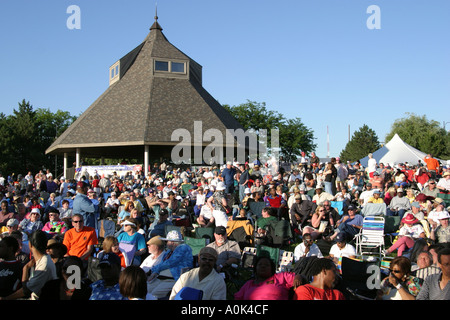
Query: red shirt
[(309, 292)]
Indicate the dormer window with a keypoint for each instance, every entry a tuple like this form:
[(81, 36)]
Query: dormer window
[(170, 66), (162, 66), (114, 72)]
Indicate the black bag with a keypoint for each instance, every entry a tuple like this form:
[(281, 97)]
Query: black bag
[(93, 270)]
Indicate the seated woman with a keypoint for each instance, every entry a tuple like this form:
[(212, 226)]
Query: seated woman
[(31, 224), (126, 212), (319, 221), (111, 244), (411, 231), (267, 284), (400, 284), (132, 239), (54, 226)]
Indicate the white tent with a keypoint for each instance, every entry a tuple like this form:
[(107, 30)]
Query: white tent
[(394, 152)]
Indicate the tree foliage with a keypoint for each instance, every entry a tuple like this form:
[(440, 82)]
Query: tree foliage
[(363, 142), (26, 134), (294, 136), (423, 134)]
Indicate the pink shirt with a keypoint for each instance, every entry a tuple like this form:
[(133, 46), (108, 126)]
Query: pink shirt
[(274, 288)]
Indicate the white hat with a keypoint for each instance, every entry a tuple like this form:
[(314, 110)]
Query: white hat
[(128, 223), (36, 210), (220, 186), (12, 222), (173, 235), (443, 215), (247, 190)]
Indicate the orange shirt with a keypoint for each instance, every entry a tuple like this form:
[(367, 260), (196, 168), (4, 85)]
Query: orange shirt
[(77, 242), (432, 164)]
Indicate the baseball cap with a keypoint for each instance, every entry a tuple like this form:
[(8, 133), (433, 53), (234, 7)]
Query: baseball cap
[(81, 184), (209, 250), (12, 222), (220, 230), (109, 259), (340, 237)]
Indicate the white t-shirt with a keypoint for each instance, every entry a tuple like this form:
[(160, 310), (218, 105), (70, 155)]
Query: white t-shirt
[(348, 251), (372, 165), (206, 212), (414, 231), (150, 261), (220, 218), (299, 251), (213, 286)]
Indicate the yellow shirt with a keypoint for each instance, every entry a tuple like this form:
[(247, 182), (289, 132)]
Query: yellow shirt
[(373, 200)]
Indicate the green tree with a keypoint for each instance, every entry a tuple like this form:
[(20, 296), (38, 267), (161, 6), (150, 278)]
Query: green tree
[(24, 140), (422, 134), (363, 142), (294, 136), (26, 134)]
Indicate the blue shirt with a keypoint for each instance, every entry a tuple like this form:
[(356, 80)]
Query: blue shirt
[(228, 176), (84, 206), (175, 260), (136, 239), (100, 292)]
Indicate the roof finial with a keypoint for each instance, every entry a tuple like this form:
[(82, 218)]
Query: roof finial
[(156, 24)]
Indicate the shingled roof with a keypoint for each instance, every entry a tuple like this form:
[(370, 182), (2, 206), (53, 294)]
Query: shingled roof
[(145, 105)]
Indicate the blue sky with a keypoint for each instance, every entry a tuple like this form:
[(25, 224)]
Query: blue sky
[(316, 59)]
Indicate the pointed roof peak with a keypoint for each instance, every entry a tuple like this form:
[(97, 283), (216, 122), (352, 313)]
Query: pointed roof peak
[(156, 25)]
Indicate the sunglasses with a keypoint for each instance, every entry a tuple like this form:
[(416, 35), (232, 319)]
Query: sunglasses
[(395, 271), (77, 221)]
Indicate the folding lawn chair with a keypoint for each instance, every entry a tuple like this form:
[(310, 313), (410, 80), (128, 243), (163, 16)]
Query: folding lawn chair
[(370, 239)]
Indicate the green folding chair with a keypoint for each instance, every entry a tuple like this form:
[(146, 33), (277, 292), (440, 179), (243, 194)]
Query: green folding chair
[(272, 253), (196, 244)]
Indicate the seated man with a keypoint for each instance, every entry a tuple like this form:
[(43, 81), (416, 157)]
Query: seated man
[(263, 224), (228, 251), (349, 225), (341, 249), (158, 228), (80, 240), (205, 216), (203, 278), (307, 248), (176, 258), (301, 211), (398, 205)]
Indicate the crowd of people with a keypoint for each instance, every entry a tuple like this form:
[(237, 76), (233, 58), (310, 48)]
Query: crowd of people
[(128, 233)]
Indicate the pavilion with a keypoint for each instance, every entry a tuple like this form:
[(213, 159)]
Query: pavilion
[(154, 90)]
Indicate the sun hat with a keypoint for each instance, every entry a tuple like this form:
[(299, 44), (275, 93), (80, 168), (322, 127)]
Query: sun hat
[(36, 210), (220, 186), (173, 235), (156, 240), (410, 219)]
